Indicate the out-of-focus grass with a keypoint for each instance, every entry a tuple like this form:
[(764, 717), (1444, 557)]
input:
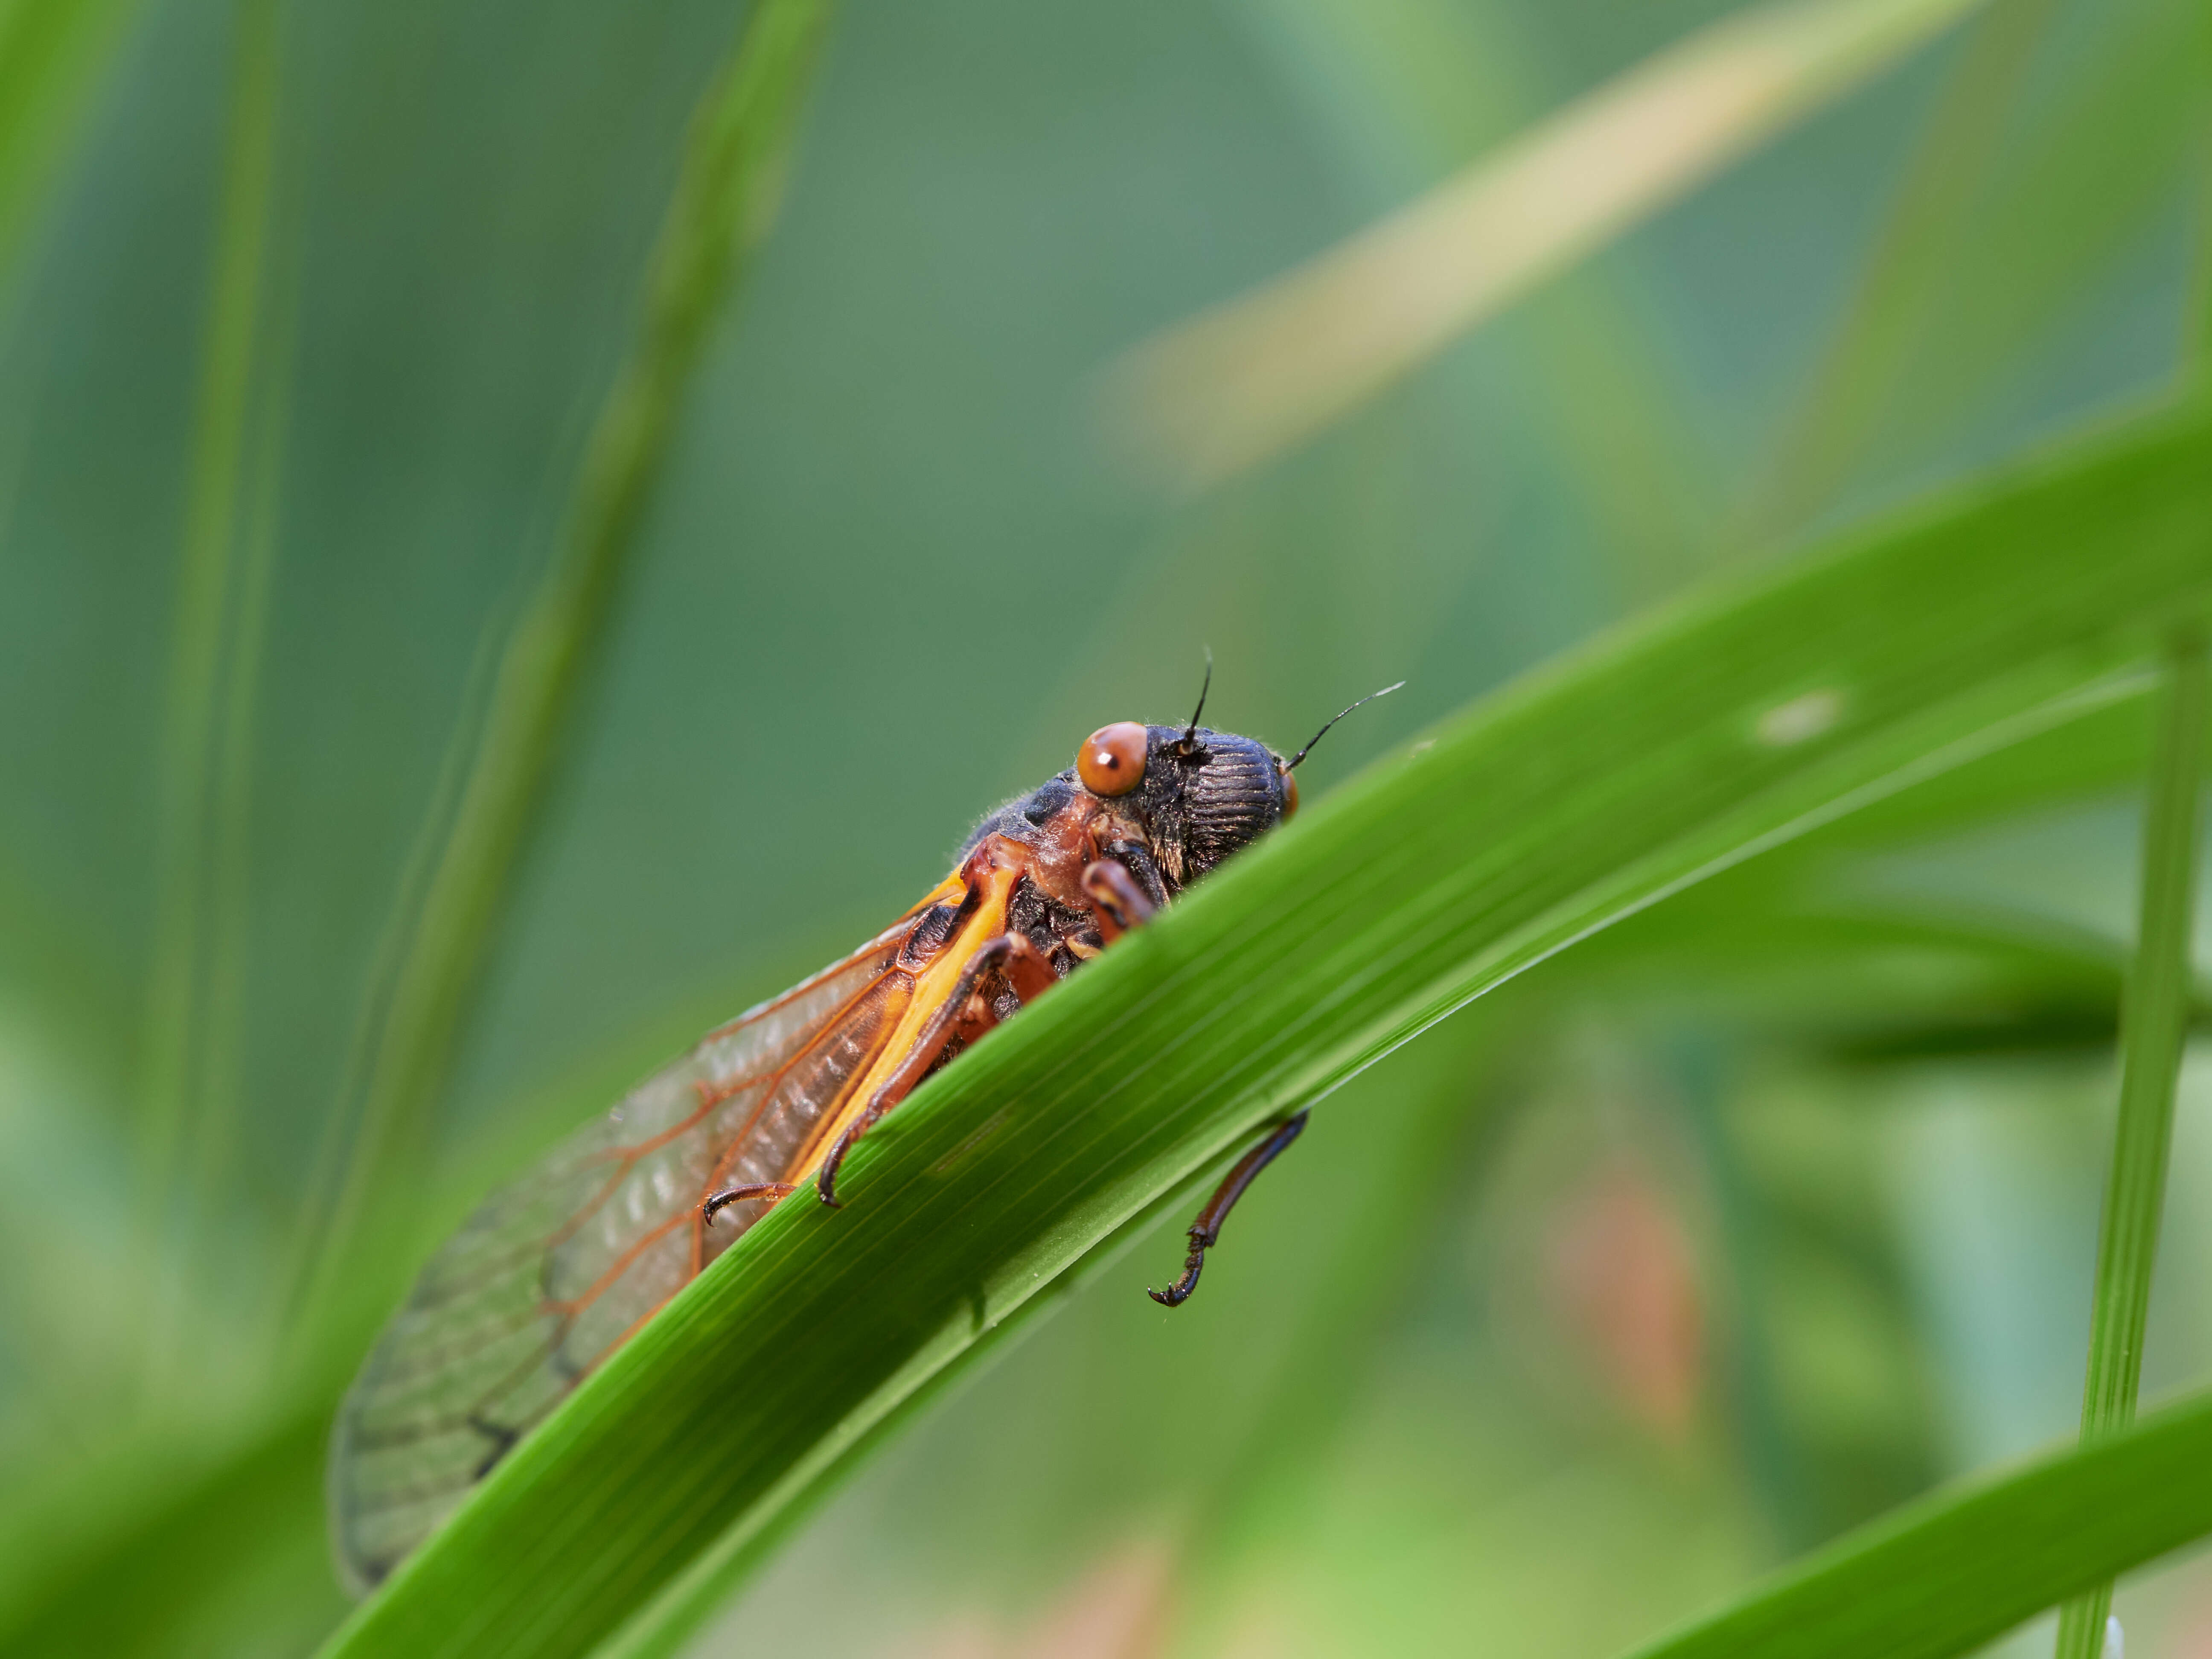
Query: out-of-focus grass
[(2155, 1024), (53, 56), (188, 1124), (724, 203), (1226, 391), (1907, 274)]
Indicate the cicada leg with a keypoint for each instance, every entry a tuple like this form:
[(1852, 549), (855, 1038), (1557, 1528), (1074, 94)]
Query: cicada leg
[(1113, 885), (1137, 858), (966, 1014), (502, 1439), (720, 1201), (1115, 891), (1205, 1231)]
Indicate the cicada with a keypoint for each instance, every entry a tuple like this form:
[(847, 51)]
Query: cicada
[(553, 1272)]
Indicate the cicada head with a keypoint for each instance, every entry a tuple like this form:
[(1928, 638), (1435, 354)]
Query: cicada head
[(1187, 795), (1191, 795)]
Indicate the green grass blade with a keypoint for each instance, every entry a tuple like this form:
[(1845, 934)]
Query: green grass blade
[(1221, 393), (52, 55), (1950, 1572), (217, 638), (2197, 344), (2153, 1024), (1405, 92), (2110, 155), (724, 200), (182, 1543), (1880, 336), (1580, 795)]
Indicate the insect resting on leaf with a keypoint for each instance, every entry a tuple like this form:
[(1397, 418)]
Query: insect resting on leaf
[(557, 1271)]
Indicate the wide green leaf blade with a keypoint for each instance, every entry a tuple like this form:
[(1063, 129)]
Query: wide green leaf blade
[(1947, 1573), (1583, 792)]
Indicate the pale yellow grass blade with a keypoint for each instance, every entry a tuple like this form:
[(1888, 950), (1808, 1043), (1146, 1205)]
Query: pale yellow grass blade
[(1236, 385)]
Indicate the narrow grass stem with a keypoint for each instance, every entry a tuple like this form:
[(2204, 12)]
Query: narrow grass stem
[(723, 201), (2154, 1023), (1872, 351), (216, 648)]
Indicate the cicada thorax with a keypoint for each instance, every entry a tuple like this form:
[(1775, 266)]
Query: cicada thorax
[(1003, 884)]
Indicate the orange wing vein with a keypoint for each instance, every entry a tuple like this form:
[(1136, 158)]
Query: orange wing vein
[(551, 1274)]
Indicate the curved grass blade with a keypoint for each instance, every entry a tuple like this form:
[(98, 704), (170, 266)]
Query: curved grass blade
[(1583, 793), (1950, 1572), (723, 203), (225, 564), (1882, 331), (1227, 389)]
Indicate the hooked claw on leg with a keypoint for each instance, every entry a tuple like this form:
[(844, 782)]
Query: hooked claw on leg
[(1205, 1231), (1202, 1238), (825, 1181), (720, 1201)]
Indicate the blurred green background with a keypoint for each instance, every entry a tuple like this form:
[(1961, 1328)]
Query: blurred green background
[(1629, 1282)]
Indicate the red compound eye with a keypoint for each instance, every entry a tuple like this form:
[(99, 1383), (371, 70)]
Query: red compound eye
[(1112, 759), (1290, 796)]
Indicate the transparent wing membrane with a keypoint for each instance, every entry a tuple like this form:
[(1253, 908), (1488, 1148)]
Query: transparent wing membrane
[(553, 1273)]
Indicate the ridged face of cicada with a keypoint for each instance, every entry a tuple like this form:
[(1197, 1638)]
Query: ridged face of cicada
[(1233, 796)]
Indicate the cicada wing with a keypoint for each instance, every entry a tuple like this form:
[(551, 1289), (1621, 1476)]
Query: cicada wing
[(552, 1272)]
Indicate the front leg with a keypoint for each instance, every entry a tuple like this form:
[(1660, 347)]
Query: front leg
[(1138, 859), (966, 1014), (1122, 904)]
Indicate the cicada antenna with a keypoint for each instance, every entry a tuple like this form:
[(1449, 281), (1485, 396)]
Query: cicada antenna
[(1318, 736), (1190, 731)]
